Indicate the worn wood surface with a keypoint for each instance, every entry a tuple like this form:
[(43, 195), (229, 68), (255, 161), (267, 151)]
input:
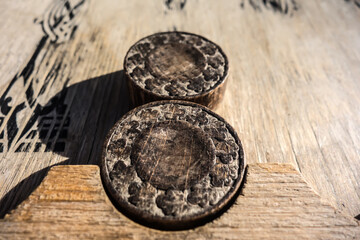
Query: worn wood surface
[(176, 66), (275, 203), (172, 164), (293, 88)]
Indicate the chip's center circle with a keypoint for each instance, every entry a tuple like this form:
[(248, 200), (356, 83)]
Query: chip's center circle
[(176, 61), (173, 155)]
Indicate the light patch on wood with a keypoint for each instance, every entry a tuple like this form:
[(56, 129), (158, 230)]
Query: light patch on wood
[(274, 204)]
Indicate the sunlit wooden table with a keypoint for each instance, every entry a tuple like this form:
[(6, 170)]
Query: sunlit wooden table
[(293, 93)]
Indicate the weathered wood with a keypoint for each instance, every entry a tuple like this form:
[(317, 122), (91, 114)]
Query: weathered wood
[(275, 203), (172, 164), (292, 95), (176, 66)]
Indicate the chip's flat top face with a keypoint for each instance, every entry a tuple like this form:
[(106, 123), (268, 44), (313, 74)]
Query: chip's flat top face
[(172, 162), (176, 64)]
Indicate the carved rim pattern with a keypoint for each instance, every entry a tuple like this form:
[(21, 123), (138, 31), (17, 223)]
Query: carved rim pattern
[(213, 64), (171, 208)]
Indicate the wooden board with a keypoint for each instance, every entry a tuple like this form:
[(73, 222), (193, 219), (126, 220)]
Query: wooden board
[(275, 203), (293, 90)]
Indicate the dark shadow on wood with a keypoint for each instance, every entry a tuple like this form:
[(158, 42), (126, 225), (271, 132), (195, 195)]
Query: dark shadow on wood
[(74, 124), (23, 190)]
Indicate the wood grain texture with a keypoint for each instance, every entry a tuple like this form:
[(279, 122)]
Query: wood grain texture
[(292, 95), (275, 203), (176, 66), (172, 164)]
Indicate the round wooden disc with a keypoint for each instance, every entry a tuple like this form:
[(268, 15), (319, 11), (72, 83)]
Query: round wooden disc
[(176, 65), (172, 164)]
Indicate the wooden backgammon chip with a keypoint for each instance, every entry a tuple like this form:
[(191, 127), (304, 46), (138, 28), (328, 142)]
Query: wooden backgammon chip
[(176, 66), (172, 164)]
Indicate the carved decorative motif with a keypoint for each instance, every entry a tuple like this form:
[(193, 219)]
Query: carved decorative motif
[(176, 65), (171, 161)]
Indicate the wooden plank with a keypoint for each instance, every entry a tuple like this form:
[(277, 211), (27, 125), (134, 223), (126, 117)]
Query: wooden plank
[(276, 203), (293, 90)]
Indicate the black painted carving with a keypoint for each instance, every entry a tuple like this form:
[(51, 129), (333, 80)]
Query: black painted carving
[(355, 2), (59, 25), (175, 4), (285, 7)]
